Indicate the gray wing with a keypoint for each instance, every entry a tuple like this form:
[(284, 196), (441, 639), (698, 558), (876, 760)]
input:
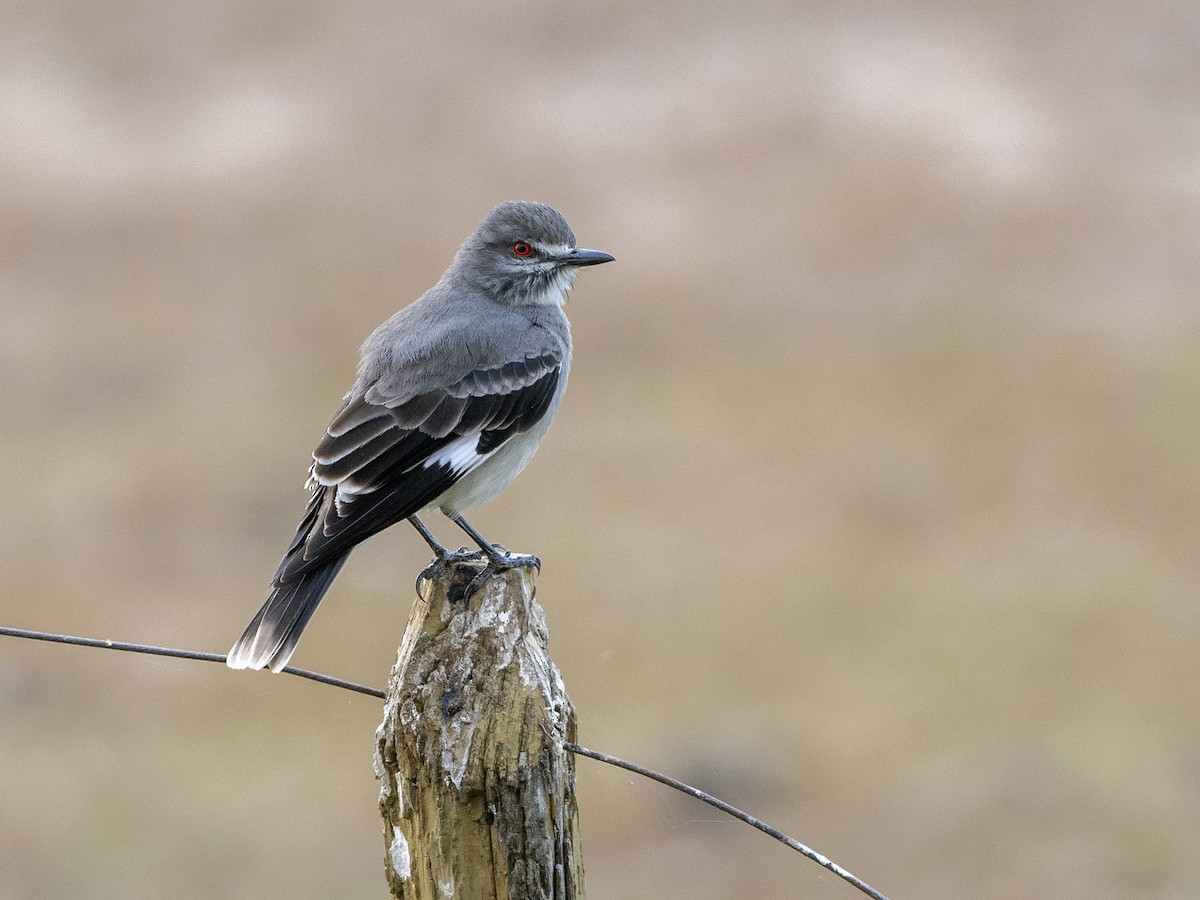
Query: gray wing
[(385, 457)]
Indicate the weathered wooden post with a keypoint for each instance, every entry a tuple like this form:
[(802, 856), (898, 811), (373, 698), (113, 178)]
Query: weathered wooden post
[(477, 793)]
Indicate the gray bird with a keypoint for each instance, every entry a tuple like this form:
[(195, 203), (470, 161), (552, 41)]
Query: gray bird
[(454, 394)]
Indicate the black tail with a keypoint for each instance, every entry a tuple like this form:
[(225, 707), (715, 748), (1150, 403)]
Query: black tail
[(271, 638)]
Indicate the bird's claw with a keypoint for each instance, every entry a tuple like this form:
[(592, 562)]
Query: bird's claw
[(497, 563), (496, 558), (440, 561), (500, 559)]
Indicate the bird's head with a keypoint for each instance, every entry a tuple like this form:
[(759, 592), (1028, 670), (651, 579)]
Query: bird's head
[(524, 254)]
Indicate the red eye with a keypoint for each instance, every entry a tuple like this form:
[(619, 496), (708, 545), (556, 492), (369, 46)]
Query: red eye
[(522, 249)]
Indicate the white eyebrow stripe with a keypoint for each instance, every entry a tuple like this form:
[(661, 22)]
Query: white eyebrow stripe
[(553, 249)]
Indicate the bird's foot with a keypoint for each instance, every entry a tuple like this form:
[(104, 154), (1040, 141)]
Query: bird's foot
[(444, 560), (500, 559), (466, 580)]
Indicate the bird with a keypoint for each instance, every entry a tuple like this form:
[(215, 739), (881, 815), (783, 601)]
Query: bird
[(453, 395)]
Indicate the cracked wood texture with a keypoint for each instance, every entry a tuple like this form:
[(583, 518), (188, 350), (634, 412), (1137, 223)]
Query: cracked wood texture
[(477, 793)]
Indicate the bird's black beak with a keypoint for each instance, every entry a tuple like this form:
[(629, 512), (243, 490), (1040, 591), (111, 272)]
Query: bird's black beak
[(578, 257)]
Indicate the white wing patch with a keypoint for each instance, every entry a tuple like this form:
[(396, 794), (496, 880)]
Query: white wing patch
[(460, 455)]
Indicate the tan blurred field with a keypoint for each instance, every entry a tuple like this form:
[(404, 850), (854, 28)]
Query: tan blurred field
[(873, 506)]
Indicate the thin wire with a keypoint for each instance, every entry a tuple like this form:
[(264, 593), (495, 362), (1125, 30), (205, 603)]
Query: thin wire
[(731, 810), (179, 654), (572, 748)]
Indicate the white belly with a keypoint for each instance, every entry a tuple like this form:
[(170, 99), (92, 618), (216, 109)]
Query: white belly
[(492, 475)]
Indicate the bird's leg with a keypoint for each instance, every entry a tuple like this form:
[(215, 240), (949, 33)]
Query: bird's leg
[(438, 550), (496, 560), (441, 556)]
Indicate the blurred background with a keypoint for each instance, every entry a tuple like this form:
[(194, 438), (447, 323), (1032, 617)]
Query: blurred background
[(873, 506)]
